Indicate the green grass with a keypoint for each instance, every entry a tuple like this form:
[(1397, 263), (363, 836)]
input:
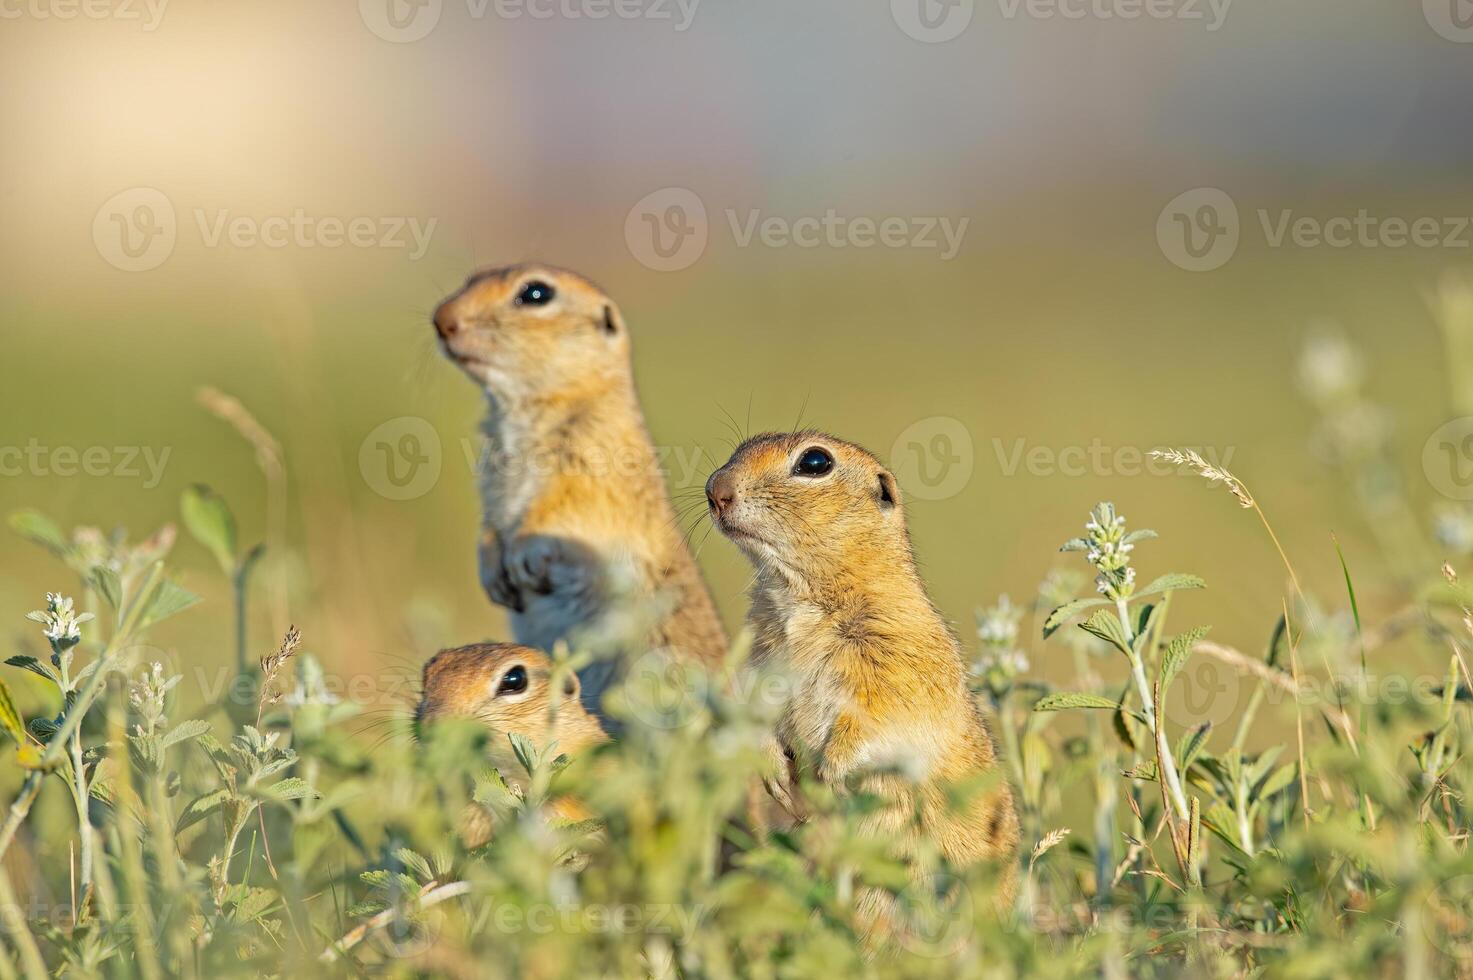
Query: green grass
[(1191, 803)]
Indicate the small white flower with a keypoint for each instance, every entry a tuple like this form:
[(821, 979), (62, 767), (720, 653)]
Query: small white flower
[(60, 623)]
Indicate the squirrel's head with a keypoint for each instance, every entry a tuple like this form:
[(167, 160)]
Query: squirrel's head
[(510, 689), (535, 332), (804, 503)]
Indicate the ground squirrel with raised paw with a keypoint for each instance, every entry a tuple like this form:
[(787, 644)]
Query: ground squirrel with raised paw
[(576, 513)]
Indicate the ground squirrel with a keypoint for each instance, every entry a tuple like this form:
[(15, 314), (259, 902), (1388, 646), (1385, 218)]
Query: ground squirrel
[(576, 513), (878, 678), (509, 689)]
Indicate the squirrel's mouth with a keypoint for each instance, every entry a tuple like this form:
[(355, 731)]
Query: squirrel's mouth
[(737, 533)]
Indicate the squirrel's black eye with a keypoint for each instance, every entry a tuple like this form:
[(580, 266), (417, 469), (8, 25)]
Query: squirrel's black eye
[(514, 681), (813, 462), (536, 293)]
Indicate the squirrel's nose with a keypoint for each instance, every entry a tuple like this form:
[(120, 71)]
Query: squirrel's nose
[(721, 491), (447, 320)]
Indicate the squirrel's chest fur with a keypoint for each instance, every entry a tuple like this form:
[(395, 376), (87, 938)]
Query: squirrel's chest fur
[(893, 698)]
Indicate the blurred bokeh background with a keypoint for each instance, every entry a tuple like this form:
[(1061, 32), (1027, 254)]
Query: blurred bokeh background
[(268, 199)]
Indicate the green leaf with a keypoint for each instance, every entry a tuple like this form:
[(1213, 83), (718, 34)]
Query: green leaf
[(1065, 700), (252, 904), (36, 667), (1140, 534), (248, 564), (1177, 652), (1171, 582), (199, 808), (416, 863), (1354, 606), (1192, 744), (1121, 724), (1106, 625), (31, 758), (219, 755), (1219, 819), (1142, 770), (1281, 779), (146, 753), (10, 717), (190, 729), (1068, 611), (209, 521), (524, 750), (290, 788), (106, 582), (167, 600), (37, 528)]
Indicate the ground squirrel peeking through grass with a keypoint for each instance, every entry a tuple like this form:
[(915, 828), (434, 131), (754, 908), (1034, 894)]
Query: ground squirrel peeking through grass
[(879, 687), (510, 689), (577, 521)]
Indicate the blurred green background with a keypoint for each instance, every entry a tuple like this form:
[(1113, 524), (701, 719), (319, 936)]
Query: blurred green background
[(1061, 323)]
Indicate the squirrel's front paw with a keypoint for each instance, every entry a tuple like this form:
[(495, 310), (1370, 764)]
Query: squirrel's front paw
[(494, 579), (497, 584), (533, 565)]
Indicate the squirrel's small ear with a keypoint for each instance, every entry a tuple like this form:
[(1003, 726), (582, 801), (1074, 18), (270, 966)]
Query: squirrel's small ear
[(612, 321), (889, 491)]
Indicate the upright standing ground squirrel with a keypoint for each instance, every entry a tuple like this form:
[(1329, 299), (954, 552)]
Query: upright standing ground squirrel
[(576, 513), (509, 689), (878, 678)]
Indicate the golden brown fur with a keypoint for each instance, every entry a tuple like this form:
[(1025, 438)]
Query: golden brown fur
[(880, 686), (466, 681), (576, 513)]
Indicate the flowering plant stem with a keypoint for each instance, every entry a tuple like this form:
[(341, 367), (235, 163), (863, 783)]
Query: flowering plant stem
[(1167, 765), (71, 720)]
